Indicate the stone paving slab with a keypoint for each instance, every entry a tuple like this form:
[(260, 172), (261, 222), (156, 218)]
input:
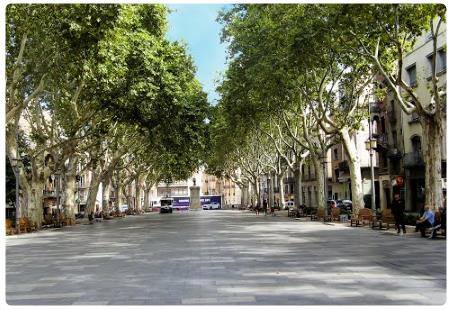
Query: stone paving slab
[(222, 257)]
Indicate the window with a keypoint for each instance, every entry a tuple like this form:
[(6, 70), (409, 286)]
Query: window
[(394, 138), (336, 173), (441, 61), (336, 155), (416, 144), (412, 75), (442, 57), (393, 106), (383, 125)]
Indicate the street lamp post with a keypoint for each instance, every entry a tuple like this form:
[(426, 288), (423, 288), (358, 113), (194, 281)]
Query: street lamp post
[(371, 144), (15, 165), (57, 181), (78, 179), (324, 163)]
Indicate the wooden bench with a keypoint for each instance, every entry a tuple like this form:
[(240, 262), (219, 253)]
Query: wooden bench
[(320, 215), (335, 214), (436, 227), (386, 218), (364, 216), (25, 225), (10, 230), (292, 212)]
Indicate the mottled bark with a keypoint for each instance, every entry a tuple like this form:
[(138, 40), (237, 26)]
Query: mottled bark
[(281, 186), (298, 186), (69, 191), (320, 195), (137, 187), (118, 190), (92, 195), (34, 195), (355, 170), (147, 199), (432, 155), (105, 195)]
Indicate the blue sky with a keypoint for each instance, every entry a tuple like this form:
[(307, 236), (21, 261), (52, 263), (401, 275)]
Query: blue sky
[(195, 24)]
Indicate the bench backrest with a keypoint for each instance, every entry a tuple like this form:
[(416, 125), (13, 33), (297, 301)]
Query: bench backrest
[(437, 216), (320, 213), (8, 224), (335, 212), (386, 214), (365, 213)]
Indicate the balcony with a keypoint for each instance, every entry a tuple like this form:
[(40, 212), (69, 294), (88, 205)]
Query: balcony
[(343, 166), (413, 159), (382, 144), (394, 153)]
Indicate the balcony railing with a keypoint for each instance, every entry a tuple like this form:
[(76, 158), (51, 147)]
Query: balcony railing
[(413, 159), (394, 153), (382, 142)]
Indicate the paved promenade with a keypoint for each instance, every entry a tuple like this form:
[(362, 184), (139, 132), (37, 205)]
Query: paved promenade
[(222, 257)]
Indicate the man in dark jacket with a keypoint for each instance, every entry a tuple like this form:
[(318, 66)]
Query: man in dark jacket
[(398, 209)]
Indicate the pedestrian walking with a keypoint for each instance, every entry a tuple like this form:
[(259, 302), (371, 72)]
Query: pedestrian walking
[(398, 211), (426, 221), (257, 208), (265, 207), (272, 210)]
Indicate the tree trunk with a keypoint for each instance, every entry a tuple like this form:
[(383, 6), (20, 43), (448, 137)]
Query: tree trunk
[(118, 192), (147, 199), (128, 195), (35, 209), (270, 190), (355, 170), (281, 186), (137, 186), (105, 195), (432, 155), (298, 186), (320, 195), (92, 195), (70, 188), (255, 185)]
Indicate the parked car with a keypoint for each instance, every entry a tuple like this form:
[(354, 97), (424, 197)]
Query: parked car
[(123, 208), (331, 202), (166, 209), (345, 204), (289, 204)]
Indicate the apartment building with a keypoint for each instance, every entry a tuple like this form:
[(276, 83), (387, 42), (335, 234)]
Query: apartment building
[(405, 164)]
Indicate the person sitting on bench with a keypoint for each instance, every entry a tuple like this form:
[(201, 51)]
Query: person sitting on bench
[(426, 221)]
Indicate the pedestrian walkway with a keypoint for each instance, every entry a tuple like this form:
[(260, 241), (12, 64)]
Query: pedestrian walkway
[(222, 257)]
